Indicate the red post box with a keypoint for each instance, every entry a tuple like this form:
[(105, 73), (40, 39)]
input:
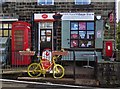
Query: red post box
[(21, 40), (108, 48)]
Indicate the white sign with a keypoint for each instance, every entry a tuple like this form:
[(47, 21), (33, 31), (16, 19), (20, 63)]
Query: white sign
[(78, 16), (43, 16)]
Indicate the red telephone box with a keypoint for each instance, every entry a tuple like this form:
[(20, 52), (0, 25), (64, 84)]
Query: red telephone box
[(108, 48), (21, 40)]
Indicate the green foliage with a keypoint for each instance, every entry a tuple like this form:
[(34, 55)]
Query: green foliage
[(118, 36)]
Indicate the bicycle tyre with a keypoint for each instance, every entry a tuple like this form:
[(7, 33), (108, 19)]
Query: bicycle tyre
[(58, 71), (34, 70)]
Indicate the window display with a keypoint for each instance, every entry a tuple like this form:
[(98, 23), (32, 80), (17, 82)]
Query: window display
[(82, 34)]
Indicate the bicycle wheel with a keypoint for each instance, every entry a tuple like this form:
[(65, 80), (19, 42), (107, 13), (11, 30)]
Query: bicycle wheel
[(34, 70), (58, 71)]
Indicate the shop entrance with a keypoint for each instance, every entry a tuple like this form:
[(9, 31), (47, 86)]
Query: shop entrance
[(45, 36)]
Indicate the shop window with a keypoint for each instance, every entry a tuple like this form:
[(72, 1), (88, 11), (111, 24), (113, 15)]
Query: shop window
[(45, 2), (5, 32), (82, 34), (5, 25), (0, 32), (82, 2)]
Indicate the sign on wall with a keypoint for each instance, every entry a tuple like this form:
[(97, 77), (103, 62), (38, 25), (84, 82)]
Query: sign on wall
[(78, 16)]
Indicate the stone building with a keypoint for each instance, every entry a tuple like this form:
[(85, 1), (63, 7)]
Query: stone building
[(25, 10)]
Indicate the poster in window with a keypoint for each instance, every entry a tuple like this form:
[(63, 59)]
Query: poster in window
[(82, 26), (90, 25), (82, 34), (48, 38), (43, 38), (74, 43), (74, 34), (74, 25), (42, 32)]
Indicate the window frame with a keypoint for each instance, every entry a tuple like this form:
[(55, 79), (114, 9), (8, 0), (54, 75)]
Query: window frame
[(38, 2), (85, 39)]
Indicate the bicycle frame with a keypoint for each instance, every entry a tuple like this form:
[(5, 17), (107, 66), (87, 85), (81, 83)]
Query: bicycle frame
[(52, 64)]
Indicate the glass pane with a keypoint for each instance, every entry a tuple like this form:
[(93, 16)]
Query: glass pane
[(74, 25), (90, 25), (5, 32), (90, 44), (0, 32), (48, 32), (49, 2), (82, 2), (41, 1), (43, 32), (5, 25), (90, 34), (74, 43), (48, 38), (74, 34), (10, 32), (0, 25), (82, 34), (83, 43), (43, 38), (10, 26), (82, 25)]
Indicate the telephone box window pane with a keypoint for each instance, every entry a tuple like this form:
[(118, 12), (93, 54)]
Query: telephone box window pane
[(0, 32), (74, 34), (74, 43), (90, 34), (90, 25), (82, 25), (74, 25), (82, 34), (5, 32)]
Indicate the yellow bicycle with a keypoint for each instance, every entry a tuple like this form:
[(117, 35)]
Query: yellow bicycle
[(44, 66)]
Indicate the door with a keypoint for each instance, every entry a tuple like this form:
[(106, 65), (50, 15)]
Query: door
[(45, 39)]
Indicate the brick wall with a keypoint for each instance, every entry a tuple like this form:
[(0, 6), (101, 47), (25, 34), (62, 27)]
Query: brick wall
[(24, 10)]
